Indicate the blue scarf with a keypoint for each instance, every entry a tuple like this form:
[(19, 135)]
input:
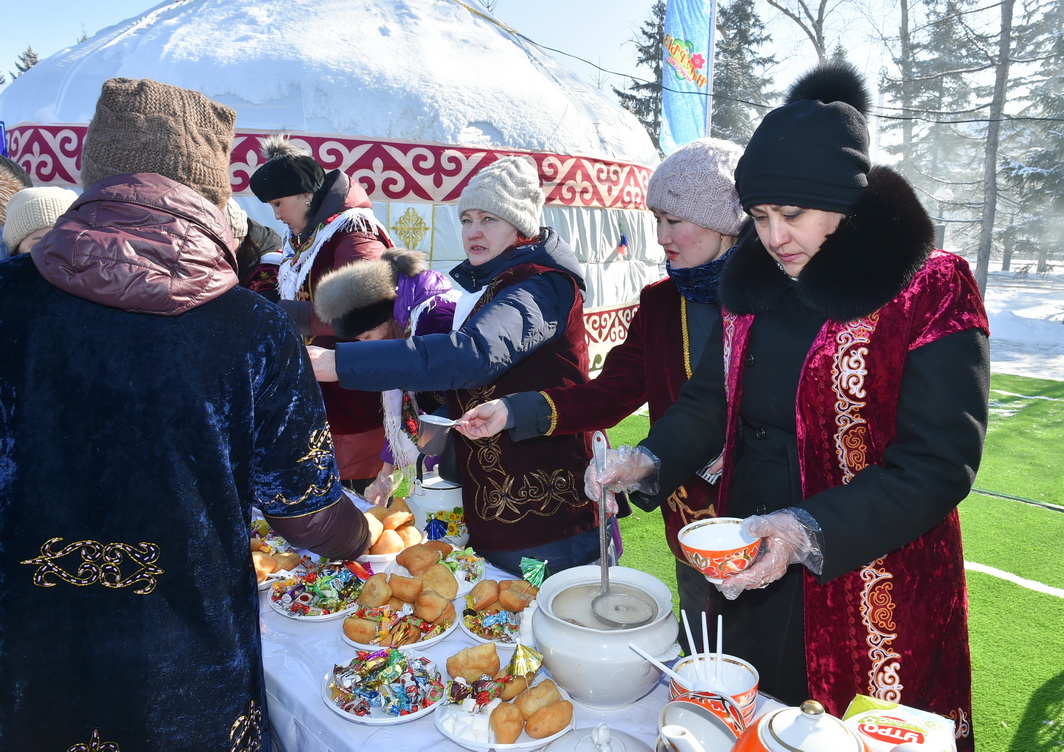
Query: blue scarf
[(699, 283)]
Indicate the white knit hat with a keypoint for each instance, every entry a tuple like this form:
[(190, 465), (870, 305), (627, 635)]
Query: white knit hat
[(509, 189), (33, 209), (238, 219), (697, 183)]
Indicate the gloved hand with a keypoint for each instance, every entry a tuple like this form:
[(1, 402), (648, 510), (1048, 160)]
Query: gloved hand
[(627, 469), (380, 490), (789, 536)]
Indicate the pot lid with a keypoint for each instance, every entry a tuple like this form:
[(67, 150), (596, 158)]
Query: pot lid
[(601, 738), (808, 728)]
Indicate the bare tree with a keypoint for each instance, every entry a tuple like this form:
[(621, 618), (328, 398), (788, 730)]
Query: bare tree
[(808, 17)]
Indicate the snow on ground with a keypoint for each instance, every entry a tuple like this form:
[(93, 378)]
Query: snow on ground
[(1026, 325)]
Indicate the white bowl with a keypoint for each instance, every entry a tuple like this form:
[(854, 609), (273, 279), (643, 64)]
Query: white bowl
[(596, 666)]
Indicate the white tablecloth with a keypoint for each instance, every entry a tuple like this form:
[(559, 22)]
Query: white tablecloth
[(296, 655)]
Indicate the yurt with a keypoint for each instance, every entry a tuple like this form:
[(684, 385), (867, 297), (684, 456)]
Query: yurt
[(409, 97)]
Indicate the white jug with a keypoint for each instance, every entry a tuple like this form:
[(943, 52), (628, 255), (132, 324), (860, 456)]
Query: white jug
[(437, 508)]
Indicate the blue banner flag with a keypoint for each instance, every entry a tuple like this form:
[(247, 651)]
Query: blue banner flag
[(687, 71), (3, 140)]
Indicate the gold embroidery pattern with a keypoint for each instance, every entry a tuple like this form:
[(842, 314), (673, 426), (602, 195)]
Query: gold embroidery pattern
[(848, 375), (962, 725), (245, 735), (877, 615), (100, 564), (676, 504), (410, 228), (319, 451), (95, 745)]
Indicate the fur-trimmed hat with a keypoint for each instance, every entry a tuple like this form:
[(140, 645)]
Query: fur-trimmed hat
[(361, 295), (289, 170), (12, 180), (142, 125), (697, 183), (509, 189), (33, 209), (813, 151)]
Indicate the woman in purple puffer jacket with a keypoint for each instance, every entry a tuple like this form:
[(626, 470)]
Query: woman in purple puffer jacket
[(394, 297)]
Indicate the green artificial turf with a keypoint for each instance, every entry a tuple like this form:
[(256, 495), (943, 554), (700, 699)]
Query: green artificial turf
[(1016, 633)]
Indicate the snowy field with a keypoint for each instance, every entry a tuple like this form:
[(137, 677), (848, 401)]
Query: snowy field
[(1026, 324)]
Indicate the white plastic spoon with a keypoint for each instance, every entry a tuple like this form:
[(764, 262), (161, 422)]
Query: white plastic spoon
[(698, 686)]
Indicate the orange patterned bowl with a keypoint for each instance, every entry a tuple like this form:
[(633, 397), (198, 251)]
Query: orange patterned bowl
[(717, 547)]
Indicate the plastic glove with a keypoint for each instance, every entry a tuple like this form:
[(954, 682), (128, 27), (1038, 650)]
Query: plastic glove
[(380, 490), (789, 536), (485, 420), (627, 469)]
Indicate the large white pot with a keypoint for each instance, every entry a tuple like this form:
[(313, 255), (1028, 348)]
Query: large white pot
[(437, 508), (596, 666)]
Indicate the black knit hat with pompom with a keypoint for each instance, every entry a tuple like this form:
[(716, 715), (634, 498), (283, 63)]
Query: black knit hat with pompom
[(813, 151)]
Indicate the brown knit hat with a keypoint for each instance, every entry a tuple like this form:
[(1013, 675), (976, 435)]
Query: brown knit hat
[(146, 126)]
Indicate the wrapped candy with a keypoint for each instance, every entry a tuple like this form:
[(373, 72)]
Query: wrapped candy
[(387, 679)]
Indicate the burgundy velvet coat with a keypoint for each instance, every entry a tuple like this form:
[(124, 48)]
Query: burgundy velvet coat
[(650, 366)]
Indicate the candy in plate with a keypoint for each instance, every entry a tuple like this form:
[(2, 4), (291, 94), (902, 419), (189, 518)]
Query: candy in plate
[(387, 679), (323, 589)]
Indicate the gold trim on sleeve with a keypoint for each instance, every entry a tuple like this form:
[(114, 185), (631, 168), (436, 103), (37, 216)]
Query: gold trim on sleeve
[(553, 414)]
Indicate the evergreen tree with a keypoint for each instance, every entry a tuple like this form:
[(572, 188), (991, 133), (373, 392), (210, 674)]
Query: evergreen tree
[(25, 61), (1034, 142), (934, 98), (643, 98), (739, 83)]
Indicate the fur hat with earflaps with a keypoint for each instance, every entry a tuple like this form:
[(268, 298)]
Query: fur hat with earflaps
[(142, 125), (361, 296), (813, 151), (289, 171)]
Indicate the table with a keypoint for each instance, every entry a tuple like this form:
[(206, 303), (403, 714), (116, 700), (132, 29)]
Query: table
[(296, 655)]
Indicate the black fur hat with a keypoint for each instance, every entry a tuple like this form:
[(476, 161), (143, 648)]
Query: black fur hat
[(361, 295), (288, 171), (813, 151)]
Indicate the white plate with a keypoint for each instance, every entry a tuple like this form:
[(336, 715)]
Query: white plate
[(377, 716), (416, 645), (379, 561), (498, 643), (298, 617), (524, 742), (464, 585)]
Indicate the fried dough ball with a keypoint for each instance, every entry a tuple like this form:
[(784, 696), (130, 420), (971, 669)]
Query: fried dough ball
[(411, 535), (389, 542), (379, 512), (405, 588), (439, 578), (514, 595), (484, 594), (516, 685), (430, 605), (442, 546), (507, 722), (549, 719), (376, 591), (287, 560), (360, 630), (539, 696), (375, 527), (264, 565), (418, 558), (449, 615), (472, 663), (399, 505), (395, 519)]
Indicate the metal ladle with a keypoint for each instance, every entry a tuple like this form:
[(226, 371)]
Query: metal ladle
[(621, 610)]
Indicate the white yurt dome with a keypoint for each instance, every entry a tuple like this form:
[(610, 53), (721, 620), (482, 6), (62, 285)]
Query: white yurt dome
[(409, 97)]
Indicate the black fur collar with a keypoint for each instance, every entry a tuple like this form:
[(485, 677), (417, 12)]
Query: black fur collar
[(875, 252)]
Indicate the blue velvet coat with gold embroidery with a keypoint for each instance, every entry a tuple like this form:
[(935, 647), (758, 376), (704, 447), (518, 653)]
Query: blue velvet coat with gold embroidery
[(132, 447)]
